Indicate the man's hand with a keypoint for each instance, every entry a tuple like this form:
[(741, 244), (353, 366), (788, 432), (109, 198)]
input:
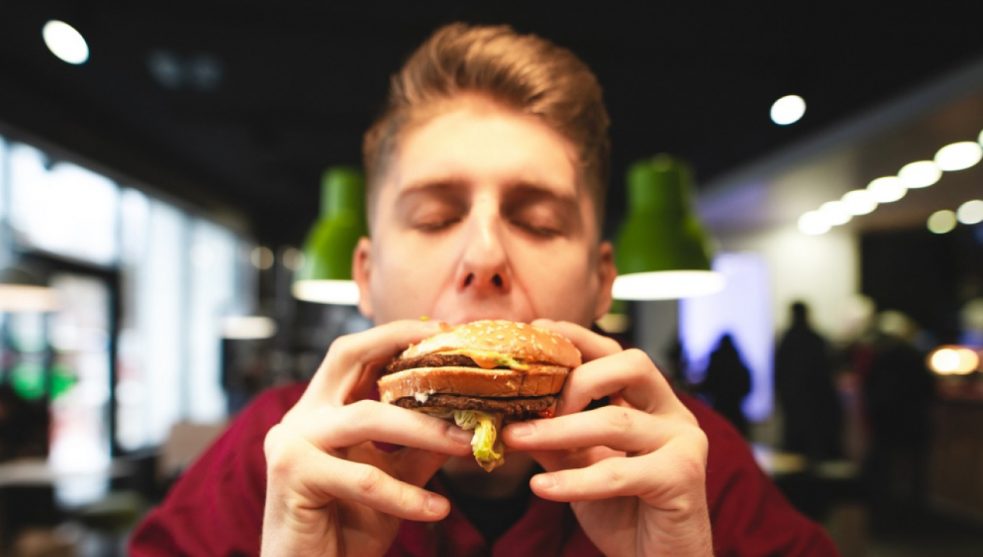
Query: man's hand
[(331, 488), (634, 471)]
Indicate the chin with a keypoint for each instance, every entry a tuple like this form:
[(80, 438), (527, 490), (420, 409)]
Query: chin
[(518, 464)]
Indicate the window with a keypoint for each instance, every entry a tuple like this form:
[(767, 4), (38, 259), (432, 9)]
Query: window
[(178, 275), (62, 208)]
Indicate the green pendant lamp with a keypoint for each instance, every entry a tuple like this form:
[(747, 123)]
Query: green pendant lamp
[(325, 276), (663, 252)]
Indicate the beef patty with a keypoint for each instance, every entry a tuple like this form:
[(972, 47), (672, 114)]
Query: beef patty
[(513, 408), (431, 360)]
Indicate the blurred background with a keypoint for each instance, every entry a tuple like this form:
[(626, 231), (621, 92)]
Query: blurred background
[(164, 179)]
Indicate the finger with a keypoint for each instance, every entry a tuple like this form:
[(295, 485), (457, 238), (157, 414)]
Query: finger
[(304, 477), (333, 427), (616, 427), (370, 486), (591, 344), (350, 356), (612, 477), (629, 375), (652, 478)]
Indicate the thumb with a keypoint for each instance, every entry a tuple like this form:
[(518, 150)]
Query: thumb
[(417, 466)]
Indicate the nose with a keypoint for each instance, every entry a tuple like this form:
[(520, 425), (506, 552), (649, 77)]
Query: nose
[(484, 267)]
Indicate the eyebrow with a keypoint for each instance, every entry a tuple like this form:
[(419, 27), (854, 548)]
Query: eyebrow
[(446, 188), (437, 184), (529, 191), (520, 192)]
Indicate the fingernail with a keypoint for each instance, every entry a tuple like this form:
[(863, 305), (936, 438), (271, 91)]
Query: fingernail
[(521, 429), (435, 504), (543, 481), (459, 435)]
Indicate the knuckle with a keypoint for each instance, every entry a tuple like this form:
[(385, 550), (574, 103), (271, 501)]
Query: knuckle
[(693, 469), (615, 478), (279, 452), (360, 413), (368, 481), (638, 358), (691, 464), (620, 419), (342, 346), (363, 409), (611, 346), (272, 439)]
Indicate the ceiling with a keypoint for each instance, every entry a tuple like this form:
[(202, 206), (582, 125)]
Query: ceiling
[(235, 108), (775, 190)]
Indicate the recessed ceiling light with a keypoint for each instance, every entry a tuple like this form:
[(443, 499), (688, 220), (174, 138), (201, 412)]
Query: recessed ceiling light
[(835, 212), (788, 110), (813, 223), (859, 202), (65, 42), (920, 174), (959, 156), (886, 189), (942, 222), (292, 258), (262, 257), (970, 212)]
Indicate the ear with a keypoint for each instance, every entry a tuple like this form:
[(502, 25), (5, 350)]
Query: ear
[(362, 272), (606, 271)]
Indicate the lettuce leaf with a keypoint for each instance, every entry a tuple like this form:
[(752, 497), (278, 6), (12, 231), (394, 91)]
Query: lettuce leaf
[(487, 448)]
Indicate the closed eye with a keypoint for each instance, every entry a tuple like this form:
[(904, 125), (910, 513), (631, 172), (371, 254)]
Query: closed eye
[(432, 208), (436, 225), (542, 231)]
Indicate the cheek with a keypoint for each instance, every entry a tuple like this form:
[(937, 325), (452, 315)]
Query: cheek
[(559, 281), (407, 279)]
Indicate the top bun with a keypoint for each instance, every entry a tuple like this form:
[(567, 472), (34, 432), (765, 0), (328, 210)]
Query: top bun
[(520, 341)]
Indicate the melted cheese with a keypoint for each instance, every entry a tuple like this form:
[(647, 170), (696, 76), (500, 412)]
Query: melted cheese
[(490, 360)]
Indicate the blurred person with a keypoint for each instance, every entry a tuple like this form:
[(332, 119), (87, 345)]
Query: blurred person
[(971, 322), (486, 176), (805, 387), (727, 382), (898, 390), (677, 362)]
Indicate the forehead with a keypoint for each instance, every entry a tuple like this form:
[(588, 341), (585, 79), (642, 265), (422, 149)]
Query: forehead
[(474, 139)]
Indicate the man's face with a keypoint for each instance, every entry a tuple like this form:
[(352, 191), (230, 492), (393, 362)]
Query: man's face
[(481, 215)]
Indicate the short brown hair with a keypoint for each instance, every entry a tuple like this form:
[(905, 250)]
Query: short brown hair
[(523, 72)]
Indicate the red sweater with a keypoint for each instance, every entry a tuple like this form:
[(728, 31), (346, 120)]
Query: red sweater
[(216, 508)]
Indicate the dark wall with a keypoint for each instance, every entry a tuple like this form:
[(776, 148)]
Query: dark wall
[(927, 276)]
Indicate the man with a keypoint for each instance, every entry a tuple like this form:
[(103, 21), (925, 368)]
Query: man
[(485, 188), (806, 389)]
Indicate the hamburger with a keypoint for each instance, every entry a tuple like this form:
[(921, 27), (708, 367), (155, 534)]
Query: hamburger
[(481, 375)]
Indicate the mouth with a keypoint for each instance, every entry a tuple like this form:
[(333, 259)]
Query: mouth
[(467, 317)]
